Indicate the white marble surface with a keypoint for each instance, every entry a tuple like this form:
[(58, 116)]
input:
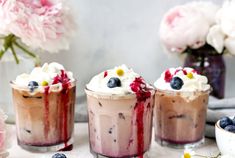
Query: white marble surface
[(81, 147)]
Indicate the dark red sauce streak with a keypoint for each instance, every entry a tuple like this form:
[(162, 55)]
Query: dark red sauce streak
[(63, 78), (46, 115), (64, 101), (142, 94)]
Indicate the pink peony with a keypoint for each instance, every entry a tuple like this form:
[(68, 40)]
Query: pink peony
[(44, 24), (187, 26)]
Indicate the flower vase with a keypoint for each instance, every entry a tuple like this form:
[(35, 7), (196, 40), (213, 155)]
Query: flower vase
[(207, 61), (9, 71)]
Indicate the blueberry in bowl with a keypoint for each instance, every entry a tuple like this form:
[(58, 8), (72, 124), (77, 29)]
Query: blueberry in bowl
[(225, 135), (225, 121)]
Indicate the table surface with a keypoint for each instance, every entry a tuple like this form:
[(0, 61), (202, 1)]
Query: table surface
[(81, 147)]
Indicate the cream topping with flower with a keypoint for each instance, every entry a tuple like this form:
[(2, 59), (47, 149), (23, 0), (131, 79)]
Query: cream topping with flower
[(44, 76), (192, 81), (99, 82)]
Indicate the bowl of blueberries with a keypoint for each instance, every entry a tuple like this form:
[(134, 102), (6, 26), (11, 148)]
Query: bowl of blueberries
[(225, 135)]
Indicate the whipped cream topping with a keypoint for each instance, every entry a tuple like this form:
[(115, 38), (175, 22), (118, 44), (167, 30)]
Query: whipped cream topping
[(99, 83), (47, 75), (192, 81)]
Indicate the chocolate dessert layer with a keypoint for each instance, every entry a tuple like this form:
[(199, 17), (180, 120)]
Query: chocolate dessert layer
[(179, 119)]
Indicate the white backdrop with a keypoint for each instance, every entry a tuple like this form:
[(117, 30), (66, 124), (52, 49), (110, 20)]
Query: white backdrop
[(115, 32)]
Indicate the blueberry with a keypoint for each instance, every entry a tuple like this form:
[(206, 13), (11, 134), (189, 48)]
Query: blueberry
[(225, 121), (233, 120), (59, 155), (32, 85), (230, 128), (176, 83), (114, 82)]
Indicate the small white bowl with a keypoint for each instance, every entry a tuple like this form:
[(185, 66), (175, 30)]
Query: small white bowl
[(225, 140)]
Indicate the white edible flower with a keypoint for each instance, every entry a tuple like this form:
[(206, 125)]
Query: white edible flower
[(188, 153)]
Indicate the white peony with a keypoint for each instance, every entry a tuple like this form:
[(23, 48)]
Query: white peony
[(216, 38), (187, 25), (223, 33)]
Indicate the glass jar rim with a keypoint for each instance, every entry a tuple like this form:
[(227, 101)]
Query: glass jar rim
[(183, 92), (15, 86), (104, 95)]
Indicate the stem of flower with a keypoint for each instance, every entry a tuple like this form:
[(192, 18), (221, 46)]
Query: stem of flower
[(14, 54), (25, 50), (2, 52)]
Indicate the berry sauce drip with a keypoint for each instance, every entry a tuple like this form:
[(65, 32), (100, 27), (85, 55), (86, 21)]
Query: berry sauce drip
[(142, 94), (184, 71), (65, 81), (140, 88), (168, 76), (105, 74), (140, 127), (194, 71), (64, 112), (46, 115), (62, 78)]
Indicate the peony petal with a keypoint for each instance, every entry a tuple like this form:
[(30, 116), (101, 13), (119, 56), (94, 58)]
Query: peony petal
[(215, 38), (226, 19), (230, 45), (207, 8)]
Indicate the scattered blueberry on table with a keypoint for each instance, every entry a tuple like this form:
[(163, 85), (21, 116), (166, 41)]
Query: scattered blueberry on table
[(59, 155), (227, 124)]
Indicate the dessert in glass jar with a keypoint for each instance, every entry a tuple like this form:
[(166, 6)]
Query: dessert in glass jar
[(44, 105), (120, 109), (181, 100)]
